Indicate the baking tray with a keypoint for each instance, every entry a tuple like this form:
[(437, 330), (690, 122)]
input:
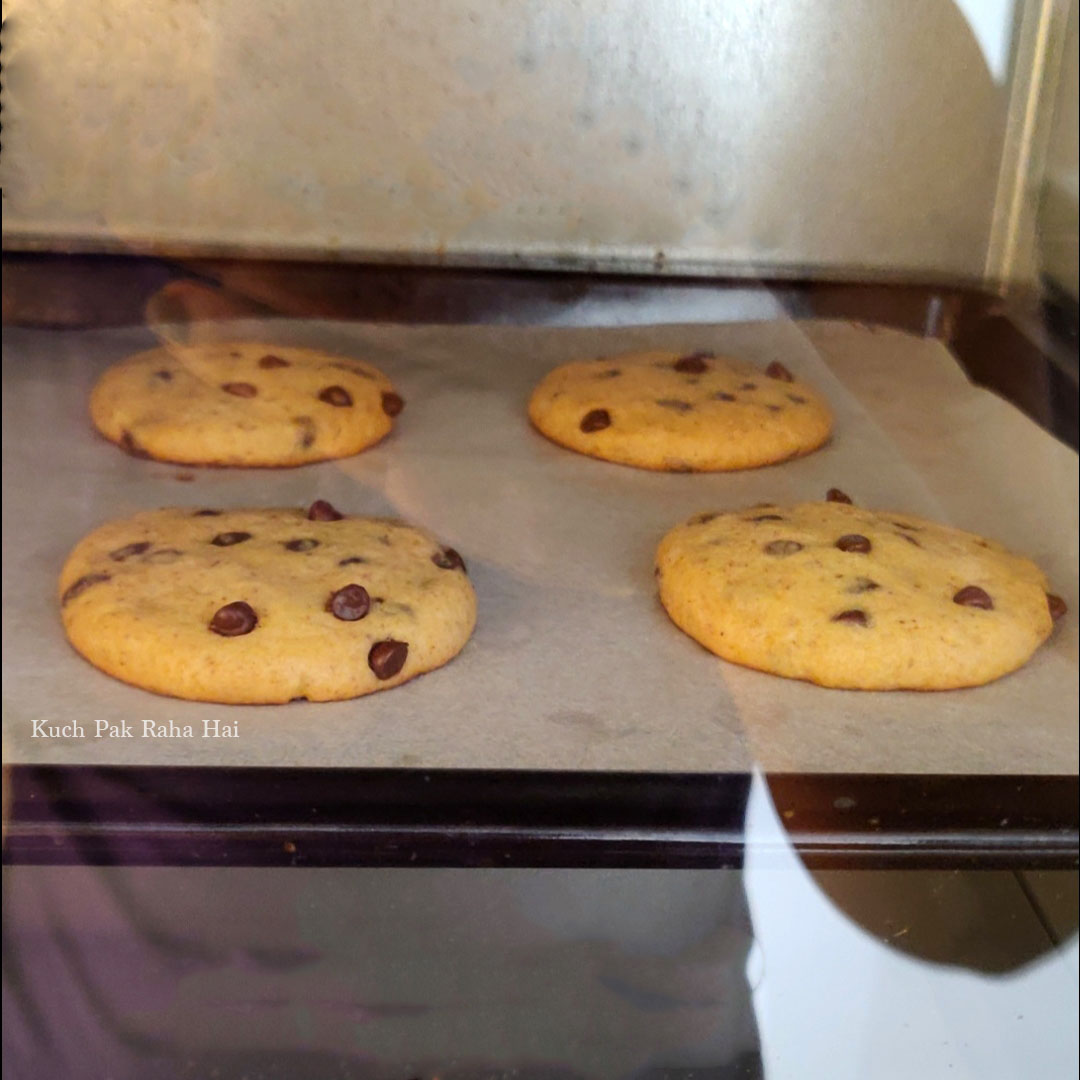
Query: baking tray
[(574, 667), (499, 771)]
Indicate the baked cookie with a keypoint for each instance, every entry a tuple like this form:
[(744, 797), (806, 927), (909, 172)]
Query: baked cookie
[(680, 412), (853, 598), (265, 606), (243, 404)]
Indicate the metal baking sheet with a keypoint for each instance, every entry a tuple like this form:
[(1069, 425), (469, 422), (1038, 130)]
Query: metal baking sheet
[(574, 664)]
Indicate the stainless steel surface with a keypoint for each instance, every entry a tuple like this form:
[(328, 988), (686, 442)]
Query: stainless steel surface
[(779, 137)]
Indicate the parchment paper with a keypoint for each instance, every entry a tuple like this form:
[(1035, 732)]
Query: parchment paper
[(574, 664)]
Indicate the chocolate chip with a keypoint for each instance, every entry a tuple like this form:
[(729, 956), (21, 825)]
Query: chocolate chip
[(674, 404), (798, 400), (305, 433), (240, 389), (702, 519), (720, 395), (1057, 606), (336, 395), (854, 616), (77, 588), (227, 539), (765, 517), (163, 556), (120, 554), (392, 403), (352, 560), (973, 596), (321, 510), (234, 620), (854, 542), (128, 443), (387, 658), (207, 513), (611, 373), (163, 375), (693, 364), (448, 559), (909, 539), (782, 547), (350, 603), (271, 361), (596, 420), (304, 544), (776, 370), (836, 495), (861, 585)]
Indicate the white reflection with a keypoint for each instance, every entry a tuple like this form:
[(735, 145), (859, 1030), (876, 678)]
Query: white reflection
[(991, 22), (832, 1001)]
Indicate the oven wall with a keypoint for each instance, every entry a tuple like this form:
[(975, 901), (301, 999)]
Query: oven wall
[(768, 137)]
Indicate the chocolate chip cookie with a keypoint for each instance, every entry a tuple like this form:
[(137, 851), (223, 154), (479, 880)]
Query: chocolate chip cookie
[(686, 412), (853, 598), (243, 404), (265, 606)]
